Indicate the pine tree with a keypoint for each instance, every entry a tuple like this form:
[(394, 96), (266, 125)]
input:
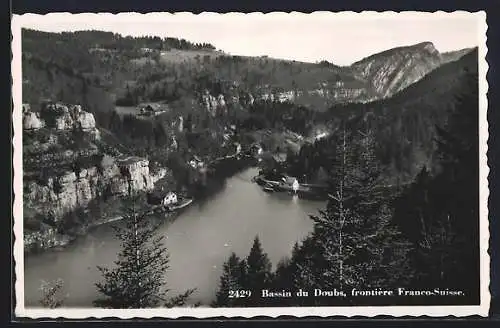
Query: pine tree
[(458, 149), (51, 294), (413, 207), (259, 273), (354, 242), (259, 266), (457, 223), (232, 279), (138, 280), (440, 213), (282, 276)]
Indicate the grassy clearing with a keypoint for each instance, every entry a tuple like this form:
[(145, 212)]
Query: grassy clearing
[(178, 56), (126, 110)]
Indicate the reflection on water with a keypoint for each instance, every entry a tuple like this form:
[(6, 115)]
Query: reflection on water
[(199, 241)]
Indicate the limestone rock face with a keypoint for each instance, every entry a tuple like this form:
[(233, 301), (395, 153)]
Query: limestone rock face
[(70, 190), (65, 120), (221, 101), (32, 121), (213, 104), (119, 186), (180, 124), (62, 118), (251, 99), (155, 177), (136, 170), (393, 70), (86, 121), (450, 56)]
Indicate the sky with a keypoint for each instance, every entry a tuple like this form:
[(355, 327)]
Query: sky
[(341, 38)]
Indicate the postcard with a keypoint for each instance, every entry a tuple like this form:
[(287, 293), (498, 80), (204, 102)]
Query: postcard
[(238, 165)]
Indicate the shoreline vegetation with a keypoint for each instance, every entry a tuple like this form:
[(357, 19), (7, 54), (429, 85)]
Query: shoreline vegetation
[(396, 148), (223, 168)]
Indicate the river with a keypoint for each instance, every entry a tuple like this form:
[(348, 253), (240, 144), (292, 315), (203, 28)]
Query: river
[(199, 241)]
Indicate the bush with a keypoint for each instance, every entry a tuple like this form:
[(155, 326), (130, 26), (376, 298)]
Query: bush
[(71, 221), (51, 294), (49, 114), (107, 162), (33, 223)]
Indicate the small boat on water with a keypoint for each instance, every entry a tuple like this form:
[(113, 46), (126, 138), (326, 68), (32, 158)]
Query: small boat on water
[(259, 180), (268, 187), (182, 203)]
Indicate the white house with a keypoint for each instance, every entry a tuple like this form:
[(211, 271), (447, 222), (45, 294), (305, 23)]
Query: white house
[(292, 183), (170, 198)]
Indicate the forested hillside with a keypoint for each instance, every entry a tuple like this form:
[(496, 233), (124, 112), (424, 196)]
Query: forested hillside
[(212, 99), (373, 236), (390, 142), (210, 90), (404, 125), (130, 70)]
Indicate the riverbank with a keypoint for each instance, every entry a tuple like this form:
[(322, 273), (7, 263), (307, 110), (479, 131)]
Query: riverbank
[(199, 240), (50, 238)]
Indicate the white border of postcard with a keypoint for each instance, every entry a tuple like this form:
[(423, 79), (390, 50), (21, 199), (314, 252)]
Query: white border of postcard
[(397, 311)]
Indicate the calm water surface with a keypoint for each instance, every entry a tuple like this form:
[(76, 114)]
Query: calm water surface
[(199, 241)]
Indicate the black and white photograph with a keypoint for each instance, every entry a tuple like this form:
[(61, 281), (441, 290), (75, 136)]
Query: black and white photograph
[(202, 165)]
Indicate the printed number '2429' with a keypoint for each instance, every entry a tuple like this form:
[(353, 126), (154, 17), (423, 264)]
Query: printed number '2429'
[(239, 293)]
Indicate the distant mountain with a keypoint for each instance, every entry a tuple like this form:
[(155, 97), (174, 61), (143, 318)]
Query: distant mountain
[(393, 70), (404, 123), (450, 56), (132, 70)]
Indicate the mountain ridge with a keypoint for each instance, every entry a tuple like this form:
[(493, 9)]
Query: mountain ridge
[(393, 70), (404, 121), (123, 62)]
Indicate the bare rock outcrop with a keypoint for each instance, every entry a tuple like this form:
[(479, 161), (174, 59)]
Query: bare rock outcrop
[(32, 121), (213, 104), (86, 121), (64, 122), (60, 117), (69, 190), (393, 70)]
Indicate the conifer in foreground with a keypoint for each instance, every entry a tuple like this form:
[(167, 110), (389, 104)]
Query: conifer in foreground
[(138, 280), (354, 243), (232, 280), (259, 273)]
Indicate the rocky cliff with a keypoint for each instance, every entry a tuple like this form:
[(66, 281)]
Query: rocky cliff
[(375, 77), (69, 190), (451, 56), (220, 103), (59, 117), (213, 104), (393, 70), (65, 166)]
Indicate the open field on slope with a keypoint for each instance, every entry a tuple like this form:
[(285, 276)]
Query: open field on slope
[(178, 56)]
